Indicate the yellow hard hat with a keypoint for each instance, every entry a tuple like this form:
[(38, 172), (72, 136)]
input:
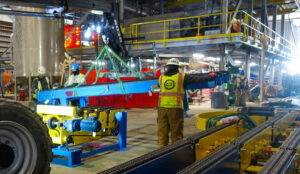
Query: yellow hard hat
[(173, 61)]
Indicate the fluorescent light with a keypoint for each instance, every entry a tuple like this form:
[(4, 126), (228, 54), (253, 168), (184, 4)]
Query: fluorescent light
[(198, 55), (88, 33), (238, 62), (132, 65), (97, 12), (148, 60), (104, 38), (86, 43), (68, 22), (214, 58), (98, 29), (253, 64)]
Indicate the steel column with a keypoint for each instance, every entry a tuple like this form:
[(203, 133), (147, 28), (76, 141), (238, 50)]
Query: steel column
[(263, 13), (282, 28), (154, 59), (30, 87), (162, 9), (263, 42), (222, 63), (279, 79), (224, 17), (274, 24), (271, 82), (250, 12), (247, 65), (121, 12), (223, 55)]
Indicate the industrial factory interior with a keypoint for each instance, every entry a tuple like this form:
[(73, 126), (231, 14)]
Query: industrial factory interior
[(149, 86)]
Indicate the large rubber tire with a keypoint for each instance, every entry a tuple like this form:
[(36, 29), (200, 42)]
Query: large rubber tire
[(25, 145)]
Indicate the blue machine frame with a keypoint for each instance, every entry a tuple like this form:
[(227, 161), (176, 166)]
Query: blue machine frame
[(81, 93), (63, 96), (74, 156)]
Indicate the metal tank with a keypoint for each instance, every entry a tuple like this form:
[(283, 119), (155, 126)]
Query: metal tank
[(37, 41)]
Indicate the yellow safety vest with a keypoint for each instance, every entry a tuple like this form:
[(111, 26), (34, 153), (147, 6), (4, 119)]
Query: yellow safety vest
[(70, 80), (242, 78), (40, 87), (171, 91)]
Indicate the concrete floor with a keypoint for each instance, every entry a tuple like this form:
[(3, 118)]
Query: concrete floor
[(141, 139)]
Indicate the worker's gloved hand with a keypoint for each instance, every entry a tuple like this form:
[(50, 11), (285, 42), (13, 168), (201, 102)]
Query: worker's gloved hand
[(213, 74)]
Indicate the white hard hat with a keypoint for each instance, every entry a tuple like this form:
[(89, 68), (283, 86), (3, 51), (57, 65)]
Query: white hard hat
[(173, 61), (42, 70)]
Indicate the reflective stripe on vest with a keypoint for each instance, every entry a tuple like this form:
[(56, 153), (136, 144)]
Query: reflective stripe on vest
[(70, 80), (172, 91), (40, 87)]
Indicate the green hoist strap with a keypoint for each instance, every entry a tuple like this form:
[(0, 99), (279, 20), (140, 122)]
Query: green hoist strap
[(249, 123), (106, 51)]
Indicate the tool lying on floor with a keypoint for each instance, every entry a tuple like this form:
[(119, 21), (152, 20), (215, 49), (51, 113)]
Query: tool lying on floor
[(229, 148)]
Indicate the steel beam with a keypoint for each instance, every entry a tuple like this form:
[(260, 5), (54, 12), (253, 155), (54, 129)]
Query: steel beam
[(271, 82), (259, 3), (250, 12), (263, 41), (282, 27), (121, 12), (182, 2), (274, 24), (224, 17), (247, 68), (263, 13), (73, 5)]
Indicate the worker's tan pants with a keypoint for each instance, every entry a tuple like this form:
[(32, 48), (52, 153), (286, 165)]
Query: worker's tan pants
[(169, 120), (237, 98)]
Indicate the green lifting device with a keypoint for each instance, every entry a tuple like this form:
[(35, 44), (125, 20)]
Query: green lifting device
[(107, 52)]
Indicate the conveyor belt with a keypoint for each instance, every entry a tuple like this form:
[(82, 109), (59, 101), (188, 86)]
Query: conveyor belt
[(213, 161), (265, 111), (228, 155), (195, 138), (180, 156), (280, 162), (150, 158), (145, 158), (239, 142)]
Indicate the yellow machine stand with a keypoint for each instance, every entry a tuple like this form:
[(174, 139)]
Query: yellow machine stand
[(216, 140), (260, 148), (55, 116)]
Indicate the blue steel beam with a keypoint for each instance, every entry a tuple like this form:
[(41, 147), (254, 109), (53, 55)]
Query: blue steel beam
[(66, 94), (135, 87)]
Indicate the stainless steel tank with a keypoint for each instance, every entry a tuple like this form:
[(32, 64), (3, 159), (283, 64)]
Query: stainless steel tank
[(37, 41)]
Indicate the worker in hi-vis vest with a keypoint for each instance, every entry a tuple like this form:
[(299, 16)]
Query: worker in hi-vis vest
[(170, 105), (241, 87), (40, 83), (76, 76)]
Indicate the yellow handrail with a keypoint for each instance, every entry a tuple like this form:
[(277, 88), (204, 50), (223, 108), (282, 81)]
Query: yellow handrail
[(163, 26)]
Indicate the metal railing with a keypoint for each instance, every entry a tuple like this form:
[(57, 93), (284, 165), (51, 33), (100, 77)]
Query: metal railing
[(207, 26)]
